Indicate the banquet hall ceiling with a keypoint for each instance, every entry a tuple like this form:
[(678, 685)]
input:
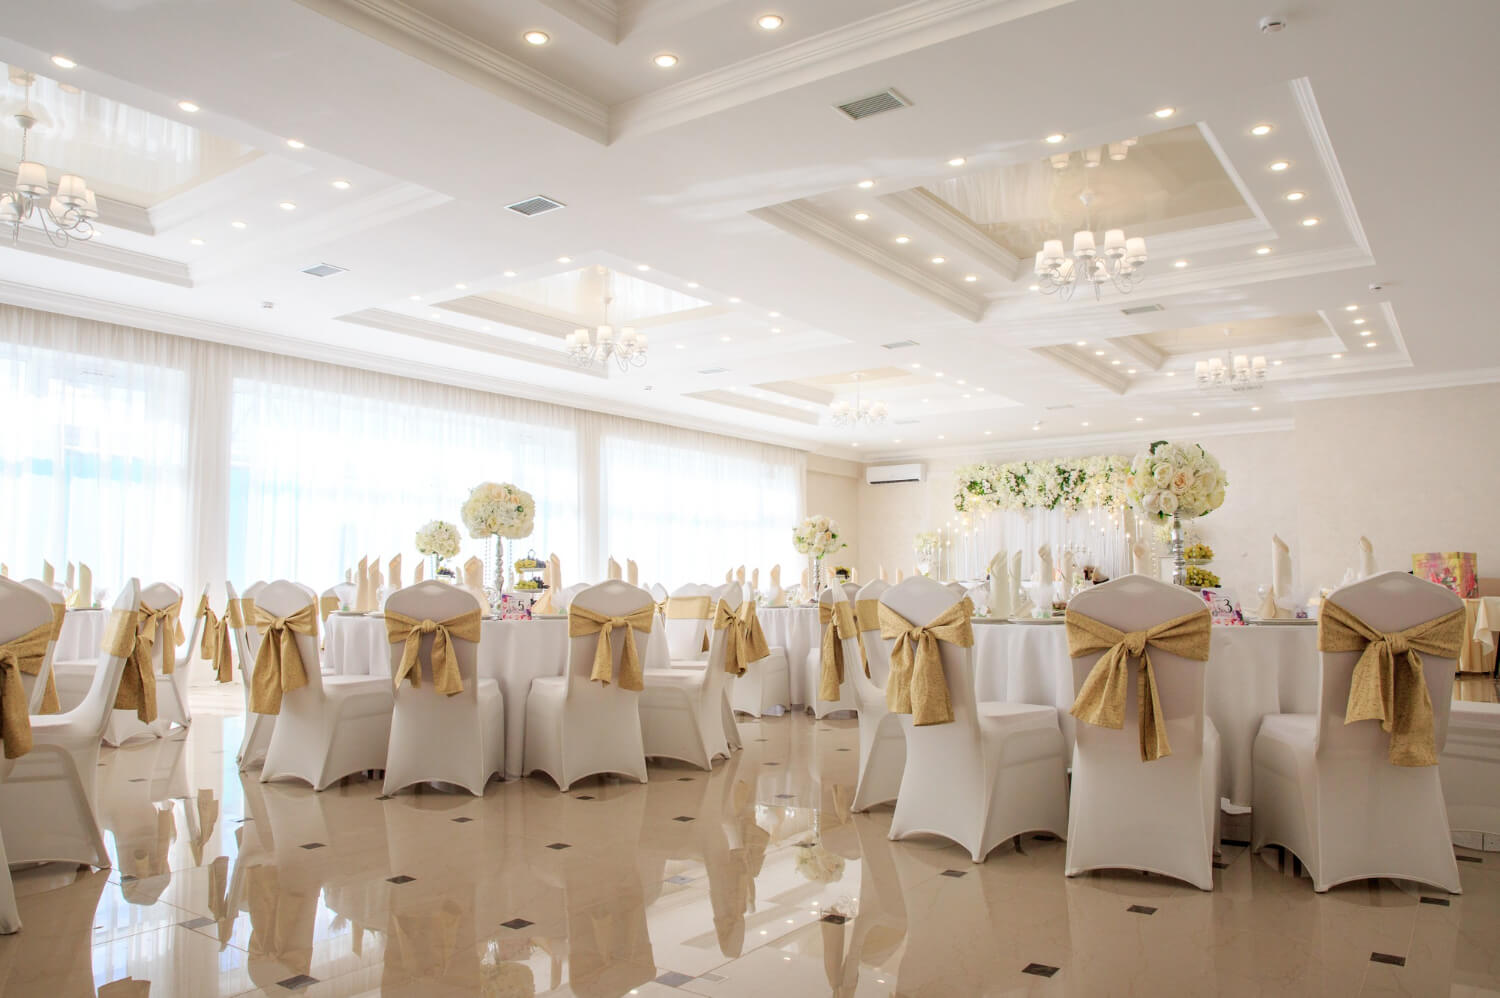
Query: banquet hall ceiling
[(723, 200)]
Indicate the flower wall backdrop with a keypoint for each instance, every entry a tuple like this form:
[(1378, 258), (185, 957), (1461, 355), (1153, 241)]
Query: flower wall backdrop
[(1068, 484)]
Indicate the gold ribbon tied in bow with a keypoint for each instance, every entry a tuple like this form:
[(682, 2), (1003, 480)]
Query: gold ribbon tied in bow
[(50, 703), (917, 685), (214, 645), (747, 642), (837, 620), (445, 676), (159, 623), (326, 605), (582, 621), (691, 608), (137, 691), (278, 664), (22, 654), (1101, 699), (1387, 684)]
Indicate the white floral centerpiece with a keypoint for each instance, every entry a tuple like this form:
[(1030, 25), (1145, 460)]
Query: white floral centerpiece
[(817, 864), (438, 540), (503, 511), (1175, 481), (817, 536)]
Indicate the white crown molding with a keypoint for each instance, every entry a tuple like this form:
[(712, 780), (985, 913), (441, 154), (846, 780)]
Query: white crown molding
[(393, 23), (1348, 386), (799, 220), (112, 213), (798, 390), (1137, 346), (92, 253), (881, 36), (1099, 375), (1312, 120), (941, 219), (600, 17), (720, 396), (505, 314), (468, 339)]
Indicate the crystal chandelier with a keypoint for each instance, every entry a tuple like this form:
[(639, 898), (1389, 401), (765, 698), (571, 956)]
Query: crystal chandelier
[(857, 413), (63, 216), (1238, 373), (1119, 264), (628, 349)]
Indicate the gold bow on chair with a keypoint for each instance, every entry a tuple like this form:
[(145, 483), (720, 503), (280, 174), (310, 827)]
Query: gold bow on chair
[(691, 608), (1387, 684), (916, 685), (214, 644), (278, 664), (399, 627), (1101, 700), (50, 702), (582, 620), (18, 655), (138, 682), (747, 642), (837, 620), (154, 623)]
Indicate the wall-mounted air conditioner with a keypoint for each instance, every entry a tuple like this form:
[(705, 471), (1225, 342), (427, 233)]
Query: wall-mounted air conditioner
[(886, 474)]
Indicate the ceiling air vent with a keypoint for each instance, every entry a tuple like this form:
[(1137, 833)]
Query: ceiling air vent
[(538, 205), (714, 370), (324, 270), (863, 107), (1142, 309), (899, 344)]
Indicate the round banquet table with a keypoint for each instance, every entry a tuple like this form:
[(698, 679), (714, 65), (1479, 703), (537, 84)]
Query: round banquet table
[(82, 633), (794, 628), (511, 652), (1251, 671)]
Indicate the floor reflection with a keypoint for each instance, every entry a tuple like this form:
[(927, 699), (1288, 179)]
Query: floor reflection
[(754, 879)]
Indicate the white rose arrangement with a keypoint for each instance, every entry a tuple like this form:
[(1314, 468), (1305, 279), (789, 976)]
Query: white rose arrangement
[(438, 537), (1068, 484), (818, 864), (499, 510), (817, 536), (1175, 479)]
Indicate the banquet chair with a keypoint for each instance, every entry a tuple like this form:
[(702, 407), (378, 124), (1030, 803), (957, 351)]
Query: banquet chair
[(565, 596), (10, 914), (882, 742), (458, 739), (766, 686), (844, 592), (171, 687), (576, 727), (47, 802), (1159, 816), (996, 771), (682, 709), (658, 592), (256, 737), (335, 725), (685, 635), (36, 686), (1326, 790)]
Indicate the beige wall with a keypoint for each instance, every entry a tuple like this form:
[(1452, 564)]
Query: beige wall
[(1407, 469), (833, 490)]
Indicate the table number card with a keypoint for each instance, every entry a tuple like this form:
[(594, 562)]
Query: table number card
[(1223, 607)]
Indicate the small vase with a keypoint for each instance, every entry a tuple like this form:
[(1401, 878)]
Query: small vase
[(1179, 562), (817, 578)]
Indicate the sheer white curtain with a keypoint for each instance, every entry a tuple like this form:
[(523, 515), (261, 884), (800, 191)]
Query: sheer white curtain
[(1095, 537)]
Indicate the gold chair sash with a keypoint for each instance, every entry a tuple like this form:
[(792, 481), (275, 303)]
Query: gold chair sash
[(399, 628), (23, 654), (278, 664), (50, 703), (837, 620), (1387, 684), (1101, 699), (582, 620), (238, 611), (137, 690), (691, 608), (747, 641), (157, 622), (867, 614), (326, 605), (916, 685), (214, 645)]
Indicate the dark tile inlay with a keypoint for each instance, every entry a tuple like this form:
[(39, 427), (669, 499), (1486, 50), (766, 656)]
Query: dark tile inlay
[(1141, 909), (1234, 842), (127, 879), (955, 873), (517, 923), (712, 978), (679, 879), (583, 797), (1468, 859), (312, 845), (386, 797), (1394, 961), (770, 764), (1218, 865), (786, 796), (400, 878), (196, 923), (843, 750), (683, 817), (138, 779), (834, 919), (298, 982), (559, 845), (673, 979), (1039, 969), (1441, 902), (684, 779), (462, 821)]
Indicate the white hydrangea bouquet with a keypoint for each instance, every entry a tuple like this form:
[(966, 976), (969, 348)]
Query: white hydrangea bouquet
[(499, 510), (438, 539), (1175, 479), (817, 536)]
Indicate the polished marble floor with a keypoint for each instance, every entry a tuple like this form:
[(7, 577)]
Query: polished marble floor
[(753, 880)]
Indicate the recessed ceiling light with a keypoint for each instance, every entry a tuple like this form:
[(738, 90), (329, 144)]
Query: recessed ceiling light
[(967, 395), (434, 314), (237, 224), (1197, 414), (1310, 221), (971, 278), (643, 266), (1140, 419), (775, 329), (1033, 287), (510, 273), (341, 185), (865, 185), (1275, 363), (565, 259), (461, 287), (1351, 308), (288, 206), (1180, 264), (1261, 130), (861, 216), (1365, 332), (1055, 138), (903, 240), (724, 339), (296, 144), (769, 22), (734, 301), (1372, 343), (1337, 356), (188, 106), (979, 389), (1130, 370), (1262, 250), (1171, 374), (957, 161), (1279, 165), (1294, 195), (195, 241), (692, 284), (1098, 353), (1255, 408), (537, 37), (916, 366), (63, 62), (666, 60), (774, 315), (988, 432), (938, 373), (942, 436), (1360, 322), (1164, 112), (855, 444), (1084, 423), (961, 381), (926, 401), (1115, 362), (939, 259), (415, 297)]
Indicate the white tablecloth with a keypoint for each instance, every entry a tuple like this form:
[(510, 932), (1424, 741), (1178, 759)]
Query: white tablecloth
[(82, 633), (511, 652), (794, 628), (1251, 671)]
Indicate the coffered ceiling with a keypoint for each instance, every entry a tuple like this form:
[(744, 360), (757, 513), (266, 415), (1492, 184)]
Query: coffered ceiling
[(771, 246)]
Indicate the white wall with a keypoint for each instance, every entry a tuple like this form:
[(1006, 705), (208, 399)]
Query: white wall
[(833, 490)]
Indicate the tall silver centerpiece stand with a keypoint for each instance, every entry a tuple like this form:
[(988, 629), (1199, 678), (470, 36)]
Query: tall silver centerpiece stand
[(1179, 561)]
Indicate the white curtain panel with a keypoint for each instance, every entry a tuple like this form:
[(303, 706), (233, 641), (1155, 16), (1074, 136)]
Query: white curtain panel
[(1095, 538)]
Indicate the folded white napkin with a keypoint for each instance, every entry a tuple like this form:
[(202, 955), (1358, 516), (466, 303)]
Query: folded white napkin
[(899, 575), (377, 583), (49, 574), (4, 570), (1366, 558), (882, 576), (85, 594), (395, 565), (362, 597), (349, 575), (1044, 571), (754, 580), (806, 583), (1281, 568), (739, 575), (1067, 572), (68, 577), (1267, 609), (556, 564), (632, 573), (1140, 557), (999, 570), (728, 575), (420, 572), (614, 569), (778, 595)]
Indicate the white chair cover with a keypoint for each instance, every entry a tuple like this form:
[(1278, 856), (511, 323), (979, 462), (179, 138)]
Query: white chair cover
[(258, 727), (848, 700), (36, 686), (882, 742), (682, 709)]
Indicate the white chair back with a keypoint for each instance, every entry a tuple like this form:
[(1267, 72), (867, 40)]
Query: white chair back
[(715, 678), (252, 636), (343, 592), (685, 636), (921, 600), (438, 601), (566, 595), (613, 598), (98, 703), (22, 610), (851, 590), (282, 598), (853, 663), (878, 652), (36, 686), (1389, 601), (957, 587), (658, 591)]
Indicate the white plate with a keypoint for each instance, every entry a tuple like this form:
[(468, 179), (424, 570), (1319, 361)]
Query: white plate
[(1035, 620), (350, 613), (1283, 622)]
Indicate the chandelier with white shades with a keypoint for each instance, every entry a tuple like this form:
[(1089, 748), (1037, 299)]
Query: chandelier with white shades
[(1237, 373), (65, 215), (628, 348), (1119, 263), (859, 412)]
